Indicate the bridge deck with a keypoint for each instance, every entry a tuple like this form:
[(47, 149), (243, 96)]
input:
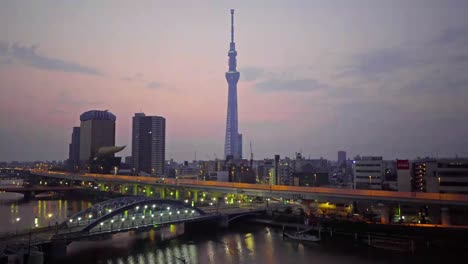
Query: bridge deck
[(74, 230)]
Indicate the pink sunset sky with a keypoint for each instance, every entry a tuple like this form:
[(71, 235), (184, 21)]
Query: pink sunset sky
[(385, 78)]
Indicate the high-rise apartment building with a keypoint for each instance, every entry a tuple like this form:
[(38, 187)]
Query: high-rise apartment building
[(233, 140), (148, 144), (341, 158), (74, 149), (97, 130)]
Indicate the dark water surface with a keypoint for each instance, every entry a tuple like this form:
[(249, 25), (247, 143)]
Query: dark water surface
[(241, 243)]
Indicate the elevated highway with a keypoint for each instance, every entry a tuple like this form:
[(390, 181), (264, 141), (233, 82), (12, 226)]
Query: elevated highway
[(262, 190)]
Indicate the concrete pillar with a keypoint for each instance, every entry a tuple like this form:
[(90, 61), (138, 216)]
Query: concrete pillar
[(148, 190), (384, 214), (135, 189), (162, 193), (195, 195), (444, 216), (177, 194), (223, 221)]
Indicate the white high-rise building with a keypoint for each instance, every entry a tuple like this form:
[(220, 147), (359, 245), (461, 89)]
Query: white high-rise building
[(368, 173)]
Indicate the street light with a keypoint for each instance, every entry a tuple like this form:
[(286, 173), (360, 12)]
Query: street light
[(49, 216), (17, 220)]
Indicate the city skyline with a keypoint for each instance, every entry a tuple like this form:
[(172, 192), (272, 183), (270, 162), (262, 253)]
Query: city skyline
[(316, 77)]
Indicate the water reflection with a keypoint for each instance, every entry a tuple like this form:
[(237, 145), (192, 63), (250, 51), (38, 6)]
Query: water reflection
[(20, 214)]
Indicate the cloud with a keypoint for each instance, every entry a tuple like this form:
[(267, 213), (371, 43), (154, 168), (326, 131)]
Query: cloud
[(136, 77), (384, 61), (449, 46), (3, 48), (293, 85), (251, 73), (439, 82), (456, 36), (153, 85), (30, 56), (66, 98)]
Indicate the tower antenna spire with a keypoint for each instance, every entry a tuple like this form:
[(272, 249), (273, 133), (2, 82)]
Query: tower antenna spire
[(232, 25)]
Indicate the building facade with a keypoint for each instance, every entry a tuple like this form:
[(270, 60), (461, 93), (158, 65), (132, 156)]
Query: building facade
[(97, 130), (233, 140), (403, 175), (74, 149), (445, 175), (341, 158), (148, 144), (368, 173)]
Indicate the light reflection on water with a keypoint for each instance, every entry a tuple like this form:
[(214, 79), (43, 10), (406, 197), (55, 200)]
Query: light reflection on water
[(244, 244), (254, 245), (19, 214)]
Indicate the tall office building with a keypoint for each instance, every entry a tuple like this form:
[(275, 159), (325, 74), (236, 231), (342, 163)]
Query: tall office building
[(341, 158), (97, 130), (233, 140), (148, 144), (74, 149)]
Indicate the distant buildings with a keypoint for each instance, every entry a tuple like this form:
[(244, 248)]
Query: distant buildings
[(341, 158), (97, 130), (311, 172), (148, 144), (443, 175), (274, 177), (97, 142), (296, 172), (264, 168), (74, 149), (368, 173), (403, 176)]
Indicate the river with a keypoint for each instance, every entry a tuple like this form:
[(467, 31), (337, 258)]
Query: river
[(241, 243)]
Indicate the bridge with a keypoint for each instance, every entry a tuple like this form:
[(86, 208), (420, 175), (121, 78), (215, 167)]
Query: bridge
[(263, 190), (124, 214), (31, 191)]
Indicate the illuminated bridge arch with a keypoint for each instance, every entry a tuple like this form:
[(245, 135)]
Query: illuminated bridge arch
[(130, 213), (100, 209)]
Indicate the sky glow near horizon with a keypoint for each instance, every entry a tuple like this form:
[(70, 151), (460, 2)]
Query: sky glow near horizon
[(370, 77)]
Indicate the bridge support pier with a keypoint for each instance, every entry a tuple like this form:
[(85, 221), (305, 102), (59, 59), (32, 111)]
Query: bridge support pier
[(162, 193), (195, 195), (177, 194), (148, 191), (445, 216), (223, 221), (135, 189), (29, 195), (56, 249), (384, 214)]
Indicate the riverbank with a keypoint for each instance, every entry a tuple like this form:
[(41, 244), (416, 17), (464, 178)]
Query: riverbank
[(403, 238)]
